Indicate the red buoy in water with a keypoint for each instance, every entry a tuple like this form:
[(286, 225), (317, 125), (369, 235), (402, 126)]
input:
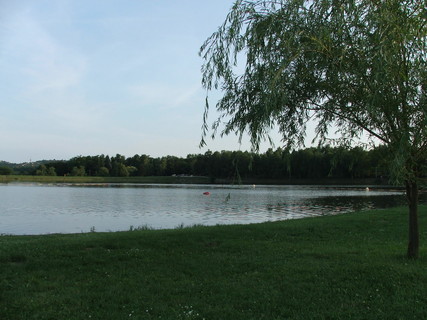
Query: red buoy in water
[(206, 193)]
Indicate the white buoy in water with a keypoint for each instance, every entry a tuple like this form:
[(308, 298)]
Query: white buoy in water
[(367, 189)]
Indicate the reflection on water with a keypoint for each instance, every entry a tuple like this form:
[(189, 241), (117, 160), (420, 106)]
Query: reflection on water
[(39, 209)]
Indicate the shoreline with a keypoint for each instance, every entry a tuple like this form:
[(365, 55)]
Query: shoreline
[(189, 180)]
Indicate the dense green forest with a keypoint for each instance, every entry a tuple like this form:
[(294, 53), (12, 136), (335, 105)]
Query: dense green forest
[(310, 163)]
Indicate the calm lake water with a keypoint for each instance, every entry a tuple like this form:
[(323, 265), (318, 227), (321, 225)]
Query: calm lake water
[(42, 209)]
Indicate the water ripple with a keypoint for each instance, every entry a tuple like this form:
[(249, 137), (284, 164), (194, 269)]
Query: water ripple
[(40, 209)]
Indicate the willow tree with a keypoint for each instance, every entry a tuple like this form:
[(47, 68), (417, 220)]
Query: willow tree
[(355, 66)]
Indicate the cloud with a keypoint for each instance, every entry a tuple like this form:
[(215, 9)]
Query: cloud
[(50, 65), (165, 96), (51, 93), (91, 77)]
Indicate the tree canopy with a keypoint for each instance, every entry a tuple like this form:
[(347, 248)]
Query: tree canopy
[(357, 66), (316, 165)]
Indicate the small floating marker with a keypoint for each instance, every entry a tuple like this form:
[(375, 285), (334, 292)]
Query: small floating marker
[(253, 186), (367, 189), (206, 193)]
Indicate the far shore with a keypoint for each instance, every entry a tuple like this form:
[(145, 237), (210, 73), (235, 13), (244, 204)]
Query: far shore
[(190, 180)]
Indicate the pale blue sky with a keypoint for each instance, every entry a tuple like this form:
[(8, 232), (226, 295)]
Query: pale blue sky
[(90, 77)]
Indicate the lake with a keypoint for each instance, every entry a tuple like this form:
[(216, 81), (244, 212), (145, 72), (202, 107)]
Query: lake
[(44, 209)]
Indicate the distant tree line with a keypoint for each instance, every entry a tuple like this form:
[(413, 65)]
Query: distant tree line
[(310, 163)]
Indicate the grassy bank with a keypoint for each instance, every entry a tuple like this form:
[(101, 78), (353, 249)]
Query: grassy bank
[(184, 179), (87, 179), (343, 267)]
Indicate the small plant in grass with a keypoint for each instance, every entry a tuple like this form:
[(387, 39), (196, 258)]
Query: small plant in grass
[(140, 228)]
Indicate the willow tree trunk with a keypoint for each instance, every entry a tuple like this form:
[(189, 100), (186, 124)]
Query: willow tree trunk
[(414, 241)]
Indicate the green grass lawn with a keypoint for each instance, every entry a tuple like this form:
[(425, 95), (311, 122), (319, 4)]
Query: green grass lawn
[(349, 266), (89, 179)]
